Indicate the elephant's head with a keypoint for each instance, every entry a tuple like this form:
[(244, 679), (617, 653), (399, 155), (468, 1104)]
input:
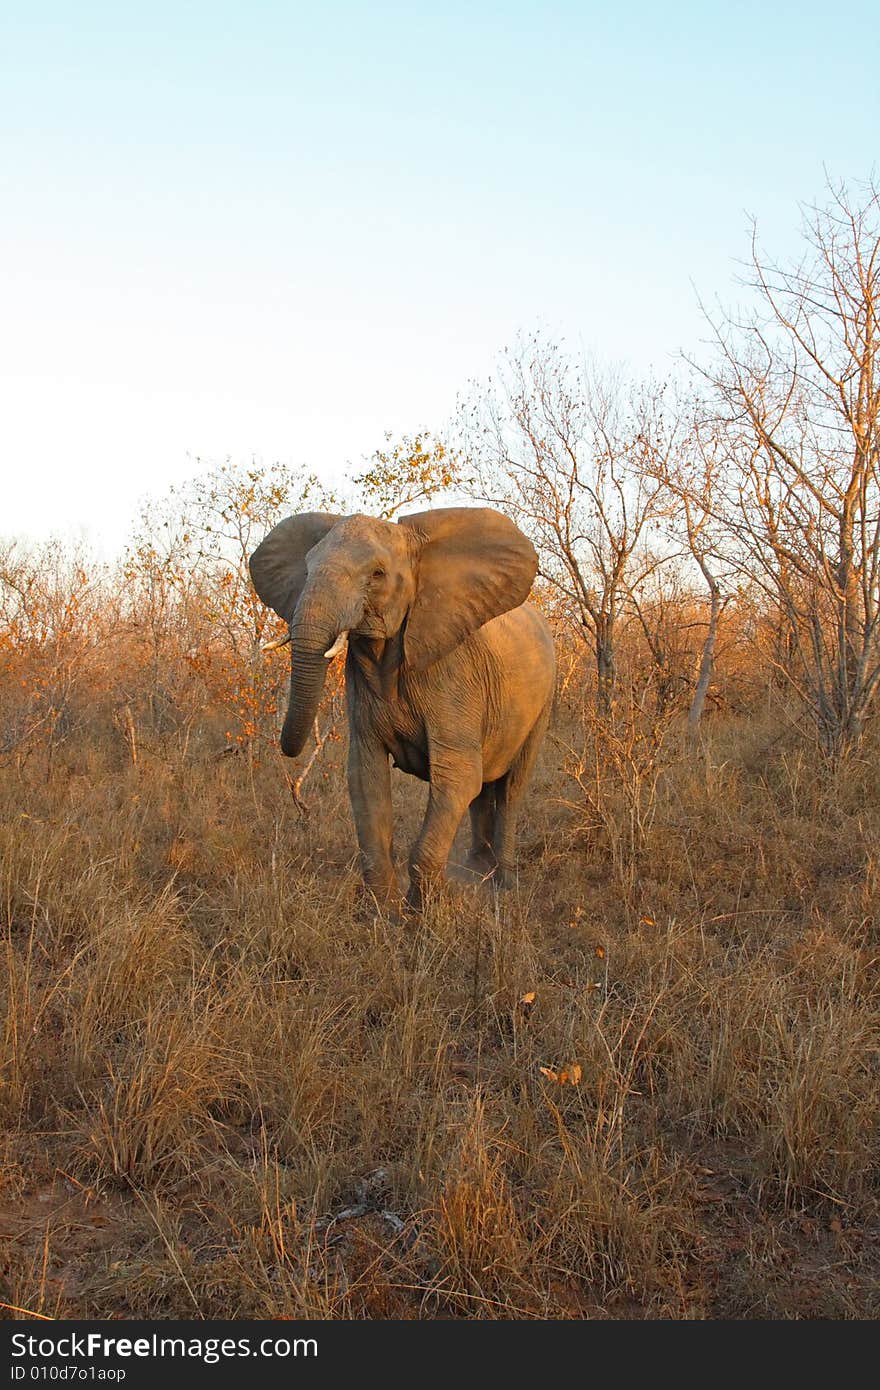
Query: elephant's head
[(438, 576)]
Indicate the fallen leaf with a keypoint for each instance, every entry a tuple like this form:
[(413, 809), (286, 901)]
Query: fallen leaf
[(568, 1076)]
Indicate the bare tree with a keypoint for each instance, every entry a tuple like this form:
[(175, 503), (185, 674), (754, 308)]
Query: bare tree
[(691, 477), (566, 451), (412, 470), (796, 388), (661, 604), (192, 601)]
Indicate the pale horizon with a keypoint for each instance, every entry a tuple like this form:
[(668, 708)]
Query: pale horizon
[(280, 233)]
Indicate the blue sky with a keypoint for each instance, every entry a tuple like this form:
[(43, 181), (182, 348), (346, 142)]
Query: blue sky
[(281, 230)]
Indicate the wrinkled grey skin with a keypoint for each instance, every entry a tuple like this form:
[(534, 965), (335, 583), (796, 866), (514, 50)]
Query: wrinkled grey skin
[(449, 673)]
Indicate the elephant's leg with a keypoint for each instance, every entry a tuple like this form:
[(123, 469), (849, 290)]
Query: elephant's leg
[(482, 855), (510, 791), (454, 785), (369, 786)]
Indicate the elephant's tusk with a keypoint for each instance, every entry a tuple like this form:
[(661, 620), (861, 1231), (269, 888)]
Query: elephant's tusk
[(338, 646), (273, 646)]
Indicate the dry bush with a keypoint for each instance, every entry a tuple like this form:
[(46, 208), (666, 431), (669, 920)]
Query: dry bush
[(230, 1088)]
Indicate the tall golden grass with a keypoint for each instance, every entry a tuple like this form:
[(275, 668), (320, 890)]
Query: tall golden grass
[(230, 1089)]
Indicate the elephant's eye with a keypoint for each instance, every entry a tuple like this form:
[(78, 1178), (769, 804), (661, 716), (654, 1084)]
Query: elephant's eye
[(378, 574)]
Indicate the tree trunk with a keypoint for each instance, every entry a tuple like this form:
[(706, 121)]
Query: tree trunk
[(707, 666), (605, 668)]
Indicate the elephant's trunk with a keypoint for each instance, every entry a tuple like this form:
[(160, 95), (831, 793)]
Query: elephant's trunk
[(311, 634)]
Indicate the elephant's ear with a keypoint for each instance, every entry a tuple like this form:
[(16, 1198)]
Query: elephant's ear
[(473, 564), (278, 565)]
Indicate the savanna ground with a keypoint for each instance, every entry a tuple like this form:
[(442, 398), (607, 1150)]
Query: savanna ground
[(230, 1090)]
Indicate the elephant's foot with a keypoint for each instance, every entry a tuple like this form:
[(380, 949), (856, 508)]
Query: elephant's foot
[(384, 897), (422, 884), (370, 911), (414, 902)]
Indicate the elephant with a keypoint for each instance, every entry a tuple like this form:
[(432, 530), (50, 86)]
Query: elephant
[(450, 674)]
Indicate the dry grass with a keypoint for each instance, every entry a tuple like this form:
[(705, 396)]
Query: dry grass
[(230, 1090)]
